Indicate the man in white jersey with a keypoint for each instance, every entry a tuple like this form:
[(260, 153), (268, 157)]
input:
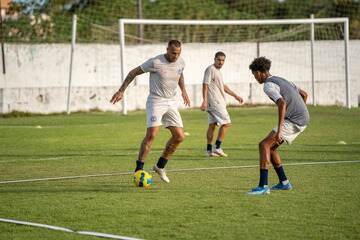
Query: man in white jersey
[(214, 103), (166, 73), (293, 117)]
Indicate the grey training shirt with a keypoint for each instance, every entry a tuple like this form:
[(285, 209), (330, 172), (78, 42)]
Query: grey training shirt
[(164, 75), (216, 94), (296, 110)]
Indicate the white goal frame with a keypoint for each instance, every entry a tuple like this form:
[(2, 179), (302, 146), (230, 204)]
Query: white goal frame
[(310, 21)]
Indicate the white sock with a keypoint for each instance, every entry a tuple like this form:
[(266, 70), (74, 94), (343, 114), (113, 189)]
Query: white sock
[(285, 182)]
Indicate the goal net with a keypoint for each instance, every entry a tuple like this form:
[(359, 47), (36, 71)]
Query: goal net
[(309, 52)]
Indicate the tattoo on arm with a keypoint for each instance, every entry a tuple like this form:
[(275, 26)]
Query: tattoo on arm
[(130, 77)]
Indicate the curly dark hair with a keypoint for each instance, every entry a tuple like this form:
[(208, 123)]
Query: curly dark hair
[(261, 64)]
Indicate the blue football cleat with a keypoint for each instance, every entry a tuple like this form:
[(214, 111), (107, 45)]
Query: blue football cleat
[(259, 191), (281, 186)]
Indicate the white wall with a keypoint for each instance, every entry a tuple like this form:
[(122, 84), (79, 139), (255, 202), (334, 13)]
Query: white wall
[(37, 75)]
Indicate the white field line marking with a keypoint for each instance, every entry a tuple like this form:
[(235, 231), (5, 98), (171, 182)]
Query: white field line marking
[(173, 170), (56, 126), (36, 225), (37, 159), (75, 156), (99, 155), (103, 235), (68, 177)]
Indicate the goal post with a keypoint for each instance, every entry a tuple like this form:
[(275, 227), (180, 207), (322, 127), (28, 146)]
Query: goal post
[(234, 33)]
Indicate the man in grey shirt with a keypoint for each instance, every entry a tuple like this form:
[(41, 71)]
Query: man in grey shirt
[(166, 73), (293, 118), (214, 103)]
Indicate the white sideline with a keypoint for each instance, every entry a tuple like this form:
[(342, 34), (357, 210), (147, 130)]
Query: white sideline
[(250, 166), (36, 225), (64, 157), (36, 159), (68, 177), (103, 235), (171, 170), (106, 235)]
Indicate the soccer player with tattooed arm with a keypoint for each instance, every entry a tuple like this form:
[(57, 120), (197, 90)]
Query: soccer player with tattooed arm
[(166, 73)]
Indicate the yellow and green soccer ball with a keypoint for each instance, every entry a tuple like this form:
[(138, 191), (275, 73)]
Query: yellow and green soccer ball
[(142, 179)]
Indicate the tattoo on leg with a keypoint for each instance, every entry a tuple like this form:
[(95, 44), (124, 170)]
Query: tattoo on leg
[(170, 148)]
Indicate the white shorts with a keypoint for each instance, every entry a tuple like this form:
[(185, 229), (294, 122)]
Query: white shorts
[(290, 131), (162, 111), (219, 116)]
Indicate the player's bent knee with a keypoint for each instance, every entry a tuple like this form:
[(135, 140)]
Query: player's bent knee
[(180, 138), (150, 138), (263, 145)]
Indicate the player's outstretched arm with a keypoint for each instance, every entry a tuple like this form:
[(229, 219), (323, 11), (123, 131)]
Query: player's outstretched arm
[(129, 78), (183, 91), (231, 93), (303, 94)]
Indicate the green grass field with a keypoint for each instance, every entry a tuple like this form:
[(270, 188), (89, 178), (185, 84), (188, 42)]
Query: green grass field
[(207, 204)]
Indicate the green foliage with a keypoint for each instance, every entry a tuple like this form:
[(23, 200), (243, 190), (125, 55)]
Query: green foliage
[(98, 19)]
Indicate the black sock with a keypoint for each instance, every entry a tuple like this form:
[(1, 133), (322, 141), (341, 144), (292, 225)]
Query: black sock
[(218, 144), (209, 147), (263, 177), (281, 173), (162, 162), (139, 165)]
